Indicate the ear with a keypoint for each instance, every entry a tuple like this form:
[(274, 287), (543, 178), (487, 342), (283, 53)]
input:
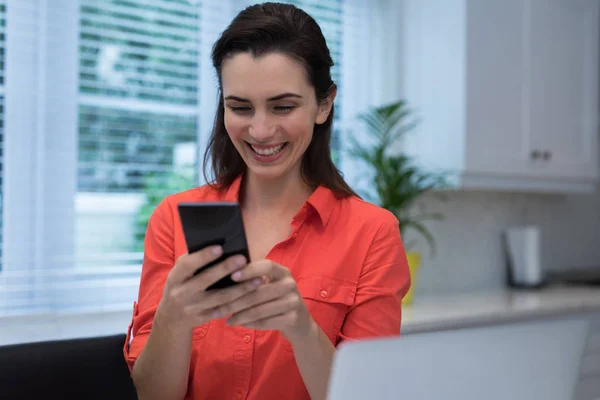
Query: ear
[(325, 107)]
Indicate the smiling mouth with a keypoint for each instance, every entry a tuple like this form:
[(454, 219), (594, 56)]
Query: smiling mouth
[(267, 151)]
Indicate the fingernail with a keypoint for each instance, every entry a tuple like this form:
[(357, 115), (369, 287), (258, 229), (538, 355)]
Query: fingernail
[(216, 314), (236, 275), (217, 250), (256, 281)]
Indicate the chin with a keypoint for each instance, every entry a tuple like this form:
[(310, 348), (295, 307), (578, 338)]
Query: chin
[(271, 173)]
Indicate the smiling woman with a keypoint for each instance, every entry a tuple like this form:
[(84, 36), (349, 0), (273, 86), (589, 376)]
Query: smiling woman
[(324, 265), (269, 83), (271, 130), (282, 104)]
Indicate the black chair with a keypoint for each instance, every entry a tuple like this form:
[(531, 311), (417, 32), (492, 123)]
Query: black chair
[(91, 368)]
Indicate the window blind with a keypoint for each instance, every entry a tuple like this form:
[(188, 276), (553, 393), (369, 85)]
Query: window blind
[(38, 155), (138, 73), (2, 56)]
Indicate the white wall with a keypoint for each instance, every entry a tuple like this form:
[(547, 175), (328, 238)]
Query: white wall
[(570, 230), (469, 251), (15, 330)]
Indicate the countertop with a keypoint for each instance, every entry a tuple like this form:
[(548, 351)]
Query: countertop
[(494, 307)]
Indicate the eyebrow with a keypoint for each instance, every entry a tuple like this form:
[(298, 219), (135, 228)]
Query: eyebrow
[(274, 98)]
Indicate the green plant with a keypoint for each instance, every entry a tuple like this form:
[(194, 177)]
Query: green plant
[(398, 180), (157, 187)]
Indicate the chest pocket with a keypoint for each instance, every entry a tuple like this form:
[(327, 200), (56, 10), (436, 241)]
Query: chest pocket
[(200, 331), (328, 299)]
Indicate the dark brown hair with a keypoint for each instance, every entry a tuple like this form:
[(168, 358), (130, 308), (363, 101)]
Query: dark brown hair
[(282, 28)]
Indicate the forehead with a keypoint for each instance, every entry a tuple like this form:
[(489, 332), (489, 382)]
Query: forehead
[(262, 77)]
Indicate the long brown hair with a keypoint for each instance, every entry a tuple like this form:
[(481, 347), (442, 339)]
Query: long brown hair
[(282, 28)]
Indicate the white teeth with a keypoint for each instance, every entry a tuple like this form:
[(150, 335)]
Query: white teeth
[(268, 152)]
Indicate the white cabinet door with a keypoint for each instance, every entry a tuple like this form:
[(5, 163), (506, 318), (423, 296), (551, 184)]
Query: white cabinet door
[(507, 91), (495, 112), (561, 43)]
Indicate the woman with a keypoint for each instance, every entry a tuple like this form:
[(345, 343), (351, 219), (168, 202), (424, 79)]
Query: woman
[(326, 266)]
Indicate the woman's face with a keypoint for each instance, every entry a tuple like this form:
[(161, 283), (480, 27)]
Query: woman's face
[(270, 112)]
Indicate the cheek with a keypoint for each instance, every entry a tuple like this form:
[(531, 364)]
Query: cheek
[(299, 126), (233, 125)]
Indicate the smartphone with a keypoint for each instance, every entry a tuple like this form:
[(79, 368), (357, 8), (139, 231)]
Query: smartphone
[(214, 223)]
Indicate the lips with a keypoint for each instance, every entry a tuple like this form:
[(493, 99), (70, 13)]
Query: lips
[(267, 154), (267, 150)]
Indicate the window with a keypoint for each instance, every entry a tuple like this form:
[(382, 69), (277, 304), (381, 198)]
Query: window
[(2, 41), (138, 74), (109, 106)]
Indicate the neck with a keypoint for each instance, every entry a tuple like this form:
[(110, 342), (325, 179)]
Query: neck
[(280, 196)]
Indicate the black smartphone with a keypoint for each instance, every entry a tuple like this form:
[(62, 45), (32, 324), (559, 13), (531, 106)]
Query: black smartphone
[(214, 223)]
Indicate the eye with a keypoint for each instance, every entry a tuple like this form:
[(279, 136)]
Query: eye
[(284, 109), (240, 110)]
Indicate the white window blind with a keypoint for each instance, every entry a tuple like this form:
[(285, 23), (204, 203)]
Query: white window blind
[(138, 83), (109, 105), (39, 151), (2, 55)]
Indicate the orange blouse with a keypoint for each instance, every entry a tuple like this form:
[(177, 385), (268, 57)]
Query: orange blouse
[(350, 266)]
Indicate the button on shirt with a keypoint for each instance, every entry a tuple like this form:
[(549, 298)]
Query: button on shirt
[(349, 263)]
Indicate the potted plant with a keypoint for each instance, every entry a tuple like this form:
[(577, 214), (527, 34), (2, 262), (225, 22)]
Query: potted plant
[(397, 181)]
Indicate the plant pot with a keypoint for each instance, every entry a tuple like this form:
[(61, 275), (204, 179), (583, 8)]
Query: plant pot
[(414, 263)]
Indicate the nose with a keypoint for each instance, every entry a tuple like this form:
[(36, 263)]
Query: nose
[(261, 128)]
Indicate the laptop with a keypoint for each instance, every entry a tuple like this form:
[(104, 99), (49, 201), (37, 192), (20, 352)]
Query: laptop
[(520, 361)]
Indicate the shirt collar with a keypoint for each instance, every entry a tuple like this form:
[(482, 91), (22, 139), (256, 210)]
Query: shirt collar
[(322, 200)]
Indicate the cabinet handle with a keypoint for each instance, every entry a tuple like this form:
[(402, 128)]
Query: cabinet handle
[(547, 155), (535, 154)]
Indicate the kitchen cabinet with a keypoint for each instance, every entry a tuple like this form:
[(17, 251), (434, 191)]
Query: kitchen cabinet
[(506, 91)]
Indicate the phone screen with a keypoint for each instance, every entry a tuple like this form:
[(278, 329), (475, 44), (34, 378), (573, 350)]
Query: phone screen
[(215, 223)]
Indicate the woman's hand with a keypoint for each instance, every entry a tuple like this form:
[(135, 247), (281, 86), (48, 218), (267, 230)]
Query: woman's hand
[(186, 303), (276, 304)]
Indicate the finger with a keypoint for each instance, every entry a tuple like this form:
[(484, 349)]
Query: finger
[(193, 291), (263, 294), (187, 264), (201, 316), (265, 310), (207, 277), (214, 299), (260, 269)]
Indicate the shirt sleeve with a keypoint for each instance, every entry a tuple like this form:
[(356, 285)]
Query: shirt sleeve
[(383, 282), (157, 262)]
